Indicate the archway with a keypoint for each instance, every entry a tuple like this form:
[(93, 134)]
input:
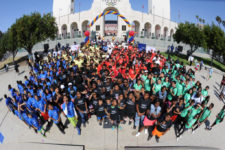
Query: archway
[(165, 32), (110, 23), (110, 12), (85, 26), (136, 27), (73, 29), (171, 33), (64, 31), (147, 28), (157, 31)]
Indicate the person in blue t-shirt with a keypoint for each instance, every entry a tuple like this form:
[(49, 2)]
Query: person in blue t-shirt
[(8, 102), (54, 115), (70, 113), (35, 124)]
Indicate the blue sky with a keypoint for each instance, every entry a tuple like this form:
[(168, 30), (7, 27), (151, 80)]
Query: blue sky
[(10, 10)]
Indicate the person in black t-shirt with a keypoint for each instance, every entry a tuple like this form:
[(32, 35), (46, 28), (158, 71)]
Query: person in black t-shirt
[(81, 106), (161, 128), (130, 107), (121, 106), (113, 114), (141, 108), (100, 111)]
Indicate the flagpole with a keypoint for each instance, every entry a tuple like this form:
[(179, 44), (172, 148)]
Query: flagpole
[(79, 11)]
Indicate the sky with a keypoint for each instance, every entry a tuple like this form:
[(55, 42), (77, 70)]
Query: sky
[(10, 10)]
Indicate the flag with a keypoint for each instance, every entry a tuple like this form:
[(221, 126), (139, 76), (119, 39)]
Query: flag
[(1, 138)]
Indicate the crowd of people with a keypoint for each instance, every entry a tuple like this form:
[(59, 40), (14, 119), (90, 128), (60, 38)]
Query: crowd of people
[(145, 90)]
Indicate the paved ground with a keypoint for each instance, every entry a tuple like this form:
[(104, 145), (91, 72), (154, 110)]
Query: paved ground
[(19, 137)]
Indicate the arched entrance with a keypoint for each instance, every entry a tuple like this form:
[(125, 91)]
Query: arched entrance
[(165, 32), (73, 30), (64, 31), (113, 11), (136, 27), (171, 33), (147, 28), (85, 25), (110, 22), (157, 31)]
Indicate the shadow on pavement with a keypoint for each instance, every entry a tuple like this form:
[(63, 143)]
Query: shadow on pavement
[(83, 147), (169, 148)]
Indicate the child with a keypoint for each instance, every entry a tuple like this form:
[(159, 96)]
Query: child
[(100, 113), (113, 114), (219, 118)]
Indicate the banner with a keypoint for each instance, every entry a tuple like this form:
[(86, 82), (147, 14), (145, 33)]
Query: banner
[(142, 47)]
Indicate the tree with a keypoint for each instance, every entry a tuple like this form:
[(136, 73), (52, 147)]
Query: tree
[(215, 39), (219, 20), (223, 22), (1, 34), (197, 17), (33, 29), (190, 34), (9, 42)]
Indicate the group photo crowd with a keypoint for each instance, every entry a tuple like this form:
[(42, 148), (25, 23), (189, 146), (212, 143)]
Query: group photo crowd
[(123, 85)]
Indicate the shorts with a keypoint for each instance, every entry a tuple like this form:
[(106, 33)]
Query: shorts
[(148, 122), (45, 115), (157, 133), (101, 117)]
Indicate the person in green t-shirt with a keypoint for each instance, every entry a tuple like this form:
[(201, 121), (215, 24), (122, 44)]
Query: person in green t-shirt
[(204, 116), (187, 96), (172, 91), (189, 124), (180, 88), (205, 92), (166, 82), (219, 118), (147, 83), (194, 111), (157, 87), (138, 85)]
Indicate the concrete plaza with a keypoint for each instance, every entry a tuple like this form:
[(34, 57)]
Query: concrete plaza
[(19, 137)]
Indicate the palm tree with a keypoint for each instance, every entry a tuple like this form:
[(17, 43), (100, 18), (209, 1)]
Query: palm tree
[(197, 17), (219, 20), (200, 19), (223, 22), (203, 21)]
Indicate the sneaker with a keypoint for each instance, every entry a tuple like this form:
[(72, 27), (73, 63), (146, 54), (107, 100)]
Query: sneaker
[(134, 127), (146, 131), (79, 131), (100, 123), (130, 122), (178, 139), (149, 138), (193, 132), (113, 127), (138, 134), (157, 139)]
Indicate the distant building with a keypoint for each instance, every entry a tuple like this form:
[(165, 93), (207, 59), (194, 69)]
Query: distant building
[(156, 23)]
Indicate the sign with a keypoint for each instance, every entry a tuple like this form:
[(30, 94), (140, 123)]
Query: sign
[(142, 47), (150, 49), (111, 3)]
